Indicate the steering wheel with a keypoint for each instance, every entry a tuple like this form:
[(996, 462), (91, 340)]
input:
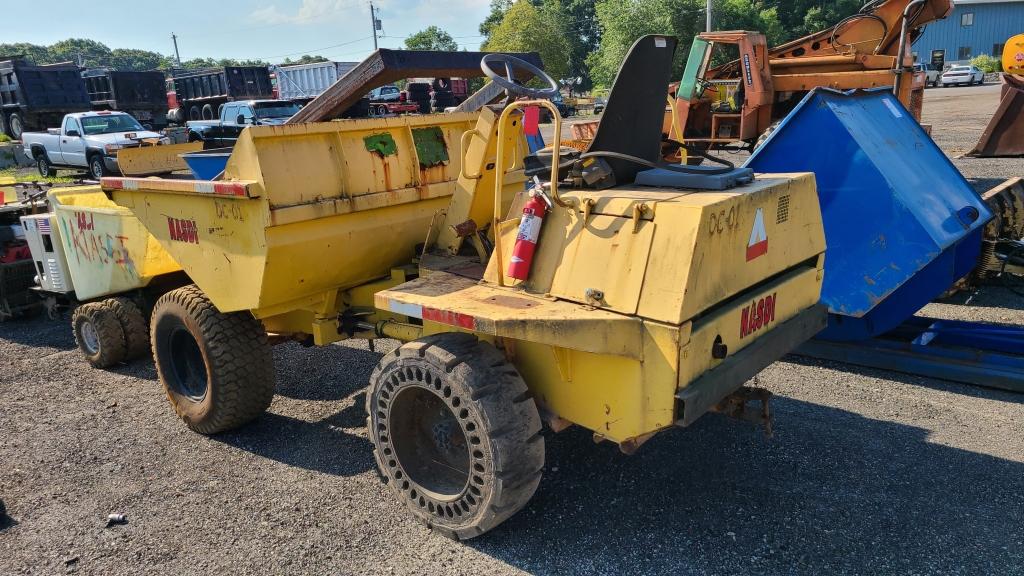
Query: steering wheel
[(508, 82)]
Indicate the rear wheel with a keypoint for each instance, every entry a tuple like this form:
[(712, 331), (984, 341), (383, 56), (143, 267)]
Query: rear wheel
[(194, 113), (98, 334), (133, 324), (208, 112), (16, 126), (455, 433), (217, 369), (45, 168)]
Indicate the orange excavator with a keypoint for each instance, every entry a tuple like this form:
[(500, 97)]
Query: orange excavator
[(738, 101), (1004, 135)]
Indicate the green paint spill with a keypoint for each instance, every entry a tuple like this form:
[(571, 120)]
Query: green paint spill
[(430, 146), (382, 144)]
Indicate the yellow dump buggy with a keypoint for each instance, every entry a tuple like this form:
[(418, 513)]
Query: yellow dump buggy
[(647, 302)]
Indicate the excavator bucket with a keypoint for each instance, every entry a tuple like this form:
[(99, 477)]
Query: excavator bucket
[(1004, 135)]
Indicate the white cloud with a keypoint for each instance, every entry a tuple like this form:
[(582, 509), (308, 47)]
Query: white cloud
[(310, 11)]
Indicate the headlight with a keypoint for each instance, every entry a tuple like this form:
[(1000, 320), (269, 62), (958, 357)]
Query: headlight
[(111, 148)]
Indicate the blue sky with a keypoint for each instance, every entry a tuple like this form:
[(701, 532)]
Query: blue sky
[(266, 29)]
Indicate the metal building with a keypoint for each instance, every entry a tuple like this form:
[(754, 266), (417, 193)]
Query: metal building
[(974, 27)]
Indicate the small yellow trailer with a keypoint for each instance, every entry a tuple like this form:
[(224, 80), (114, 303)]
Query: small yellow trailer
[(646, 306), (97, 258)]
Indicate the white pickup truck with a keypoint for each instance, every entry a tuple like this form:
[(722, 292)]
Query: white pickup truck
[(86, 140)]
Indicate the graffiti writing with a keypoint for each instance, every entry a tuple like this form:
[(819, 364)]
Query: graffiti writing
[(93, 247)]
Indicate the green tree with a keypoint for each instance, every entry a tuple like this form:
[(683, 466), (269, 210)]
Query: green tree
[(524, 28), (577, 21), (32, 52), (306, 59), (138, 60), (87, 53), (431, 38), (498, 9)]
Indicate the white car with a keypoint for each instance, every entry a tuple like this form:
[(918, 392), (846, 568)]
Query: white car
[(962, 75)]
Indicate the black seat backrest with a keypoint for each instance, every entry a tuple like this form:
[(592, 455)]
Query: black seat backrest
[(635, 112)]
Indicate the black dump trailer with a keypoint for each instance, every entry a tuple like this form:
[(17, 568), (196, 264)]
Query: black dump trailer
[(200, 94), (141, 94), (37, 97)]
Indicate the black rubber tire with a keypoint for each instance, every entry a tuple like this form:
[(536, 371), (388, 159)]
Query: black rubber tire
[(97, 168), (108, 348), (133, 324), (469, 383), (418, 88), (228, 355), (46, 170), (208, 113), (15, 126), (3, 123), (194, 113)]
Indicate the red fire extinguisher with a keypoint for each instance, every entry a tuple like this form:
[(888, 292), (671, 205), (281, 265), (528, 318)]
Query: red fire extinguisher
[(529, 232)]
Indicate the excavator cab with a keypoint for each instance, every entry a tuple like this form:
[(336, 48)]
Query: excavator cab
[(728, 103)]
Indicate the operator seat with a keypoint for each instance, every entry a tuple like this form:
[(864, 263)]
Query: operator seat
[(633, 117)]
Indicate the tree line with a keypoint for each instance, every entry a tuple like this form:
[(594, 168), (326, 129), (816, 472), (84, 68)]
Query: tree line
[(93, 54), (582, 42)]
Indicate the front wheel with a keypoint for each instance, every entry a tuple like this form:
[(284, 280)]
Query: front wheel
[(217, 369), (455, 433), (97, 169)]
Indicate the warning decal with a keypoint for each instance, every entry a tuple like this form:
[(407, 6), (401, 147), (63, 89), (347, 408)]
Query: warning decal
[(758, 244)]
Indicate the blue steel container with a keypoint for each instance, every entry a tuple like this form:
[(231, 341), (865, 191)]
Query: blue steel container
[(207, 164), (901, 223)]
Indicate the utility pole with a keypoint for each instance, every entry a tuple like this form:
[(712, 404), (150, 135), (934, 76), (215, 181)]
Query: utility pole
[(708, 27), (177, 57), (375, 24)]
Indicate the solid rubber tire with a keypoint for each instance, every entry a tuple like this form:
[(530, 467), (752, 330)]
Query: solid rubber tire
[(109, 335), (498, 417), (237, 356), (133, 324)]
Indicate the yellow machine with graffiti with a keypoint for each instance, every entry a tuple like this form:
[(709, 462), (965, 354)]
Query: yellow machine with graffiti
[(608, 296), (96, 257)]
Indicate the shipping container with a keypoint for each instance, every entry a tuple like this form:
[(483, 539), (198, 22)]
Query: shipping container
[(304, 82), (200, 93), (141, 94), (37, 97)]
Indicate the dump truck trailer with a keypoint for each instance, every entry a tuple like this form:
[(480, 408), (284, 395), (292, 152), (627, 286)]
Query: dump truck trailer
[(648, 303), (37, 97)]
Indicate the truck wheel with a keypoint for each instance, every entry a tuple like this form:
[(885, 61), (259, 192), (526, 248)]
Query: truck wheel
[(45, 168), (16, 126), (208, 112), (3, 124), (96, 167), (194, 113), (217, 369), (98, 334), (133, 324), (455, 433)]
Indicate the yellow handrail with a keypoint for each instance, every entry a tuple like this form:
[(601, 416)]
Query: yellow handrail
[(499, 169)]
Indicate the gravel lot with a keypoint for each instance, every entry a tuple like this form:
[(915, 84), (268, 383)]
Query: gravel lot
[(868, 471)]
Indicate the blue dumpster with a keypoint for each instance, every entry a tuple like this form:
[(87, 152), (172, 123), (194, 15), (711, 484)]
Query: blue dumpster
[(901, 223)]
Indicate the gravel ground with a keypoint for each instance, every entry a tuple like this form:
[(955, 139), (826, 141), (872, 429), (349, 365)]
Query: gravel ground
[(869, 472)]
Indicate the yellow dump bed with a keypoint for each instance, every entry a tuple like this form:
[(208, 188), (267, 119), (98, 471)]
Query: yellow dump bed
[(304, 210), (108, 250)]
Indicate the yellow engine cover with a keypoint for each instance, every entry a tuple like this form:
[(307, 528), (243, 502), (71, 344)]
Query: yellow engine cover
[(671, 255)]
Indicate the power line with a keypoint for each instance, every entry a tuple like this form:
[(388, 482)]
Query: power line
[(311, 50)]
